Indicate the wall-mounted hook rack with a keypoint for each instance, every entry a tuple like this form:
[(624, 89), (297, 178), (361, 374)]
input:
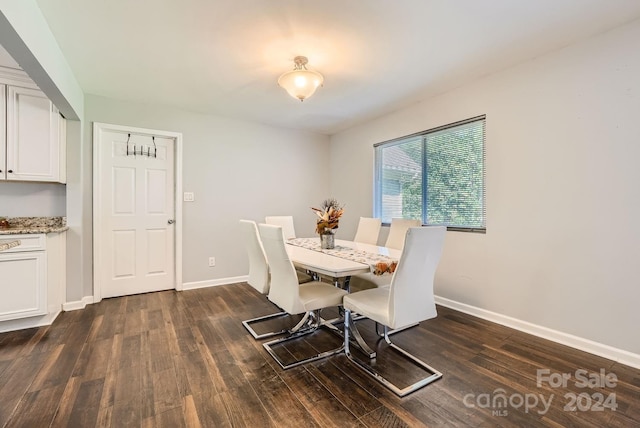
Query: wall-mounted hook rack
[(142, 152)]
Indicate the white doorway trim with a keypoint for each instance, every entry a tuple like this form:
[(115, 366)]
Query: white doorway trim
[(97, 209)]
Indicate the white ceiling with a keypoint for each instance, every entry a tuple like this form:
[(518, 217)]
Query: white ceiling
[(224, 56)]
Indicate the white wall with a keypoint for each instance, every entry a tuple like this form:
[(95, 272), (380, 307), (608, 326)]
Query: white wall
[(32, 199), (562, 245), (7, 60), (237, 170)]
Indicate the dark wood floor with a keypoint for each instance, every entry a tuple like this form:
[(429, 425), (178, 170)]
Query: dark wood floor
[(183, 359)]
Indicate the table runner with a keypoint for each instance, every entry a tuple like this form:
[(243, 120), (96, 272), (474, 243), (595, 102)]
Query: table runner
[(379, 264)]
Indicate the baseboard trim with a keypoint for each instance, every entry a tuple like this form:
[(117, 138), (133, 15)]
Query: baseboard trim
[(78, 304), (87, 300), (214, 282), (619, 355), (22, 323)]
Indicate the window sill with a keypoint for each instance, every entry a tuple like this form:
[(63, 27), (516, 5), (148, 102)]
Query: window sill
[(482, 230)]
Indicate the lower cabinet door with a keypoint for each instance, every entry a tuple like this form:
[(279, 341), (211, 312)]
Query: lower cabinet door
[(23, 285)]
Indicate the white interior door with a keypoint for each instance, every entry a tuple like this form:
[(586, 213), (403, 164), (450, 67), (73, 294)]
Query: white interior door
[(135, 238)]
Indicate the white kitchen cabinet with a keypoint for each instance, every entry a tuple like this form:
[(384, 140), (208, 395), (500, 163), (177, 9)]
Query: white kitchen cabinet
[(23, 280), (32, 140), (32, 280), (3, 131)]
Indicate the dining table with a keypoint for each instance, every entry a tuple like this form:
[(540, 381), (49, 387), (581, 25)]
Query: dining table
[(348, 258)]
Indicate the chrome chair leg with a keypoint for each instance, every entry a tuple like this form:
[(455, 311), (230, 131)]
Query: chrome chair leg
[(301, 324), (315, 322), (357, 336), (247, 324), (394, 331), (433, 373)]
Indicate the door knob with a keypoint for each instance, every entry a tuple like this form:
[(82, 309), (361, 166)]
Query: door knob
[(171, 221)]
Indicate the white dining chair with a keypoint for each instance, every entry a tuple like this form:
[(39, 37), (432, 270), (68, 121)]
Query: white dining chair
[(408, 300), (368, 230), (258, 275), (284, 221), (398, 230), (289, 231), (296, 298), (258, 267), (366, 281), (395, 240)]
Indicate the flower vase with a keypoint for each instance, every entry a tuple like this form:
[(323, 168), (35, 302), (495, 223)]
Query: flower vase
[(327, 240)]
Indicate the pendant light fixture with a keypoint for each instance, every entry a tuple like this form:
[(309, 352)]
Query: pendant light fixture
[(300, 82)]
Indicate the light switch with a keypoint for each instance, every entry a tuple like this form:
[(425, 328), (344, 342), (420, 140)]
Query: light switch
[(188, 197)]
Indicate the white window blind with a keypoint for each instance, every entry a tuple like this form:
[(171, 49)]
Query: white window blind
[(436, 176)]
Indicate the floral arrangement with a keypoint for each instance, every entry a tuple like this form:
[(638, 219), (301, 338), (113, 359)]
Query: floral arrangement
[(381, 268), (328, 214)]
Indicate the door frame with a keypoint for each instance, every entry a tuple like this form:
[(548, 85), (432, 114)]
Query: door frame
[(97, 208)]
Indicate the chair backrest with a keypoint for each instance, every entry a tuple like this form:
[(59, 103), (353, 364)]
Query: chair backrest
[(411, 290), (284, 290), (398, 230), (258, 267), (368, 230), (284, 221)]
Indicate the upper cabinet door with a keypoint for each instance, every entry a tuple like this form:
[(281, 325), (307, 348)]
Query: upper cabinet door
[(33, 146), (3, 131)]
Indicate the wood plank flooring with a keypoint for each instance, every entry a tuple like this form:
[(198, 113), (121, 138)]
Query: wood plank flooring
[(174, 359)]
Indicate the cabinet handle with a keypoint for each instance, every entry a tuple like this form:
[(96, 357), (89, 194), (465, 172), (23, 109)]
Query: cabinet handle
[(10, 171)]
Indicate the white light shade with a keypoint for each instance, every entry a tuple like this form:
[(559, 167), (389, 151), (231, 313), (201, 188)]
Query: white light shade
[(301, 83)]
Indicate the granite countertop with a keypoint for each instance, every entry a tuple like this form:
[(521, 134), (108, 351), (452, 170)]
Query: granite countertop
[(23, 225)]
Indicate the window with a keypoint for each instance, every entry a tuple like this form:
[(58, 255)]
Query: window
[(436, 176)]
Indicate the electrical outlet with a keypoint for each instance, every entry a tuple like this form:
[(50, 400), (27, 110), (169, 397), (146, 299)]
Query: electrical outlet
[(212, 261), (188, 197)]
